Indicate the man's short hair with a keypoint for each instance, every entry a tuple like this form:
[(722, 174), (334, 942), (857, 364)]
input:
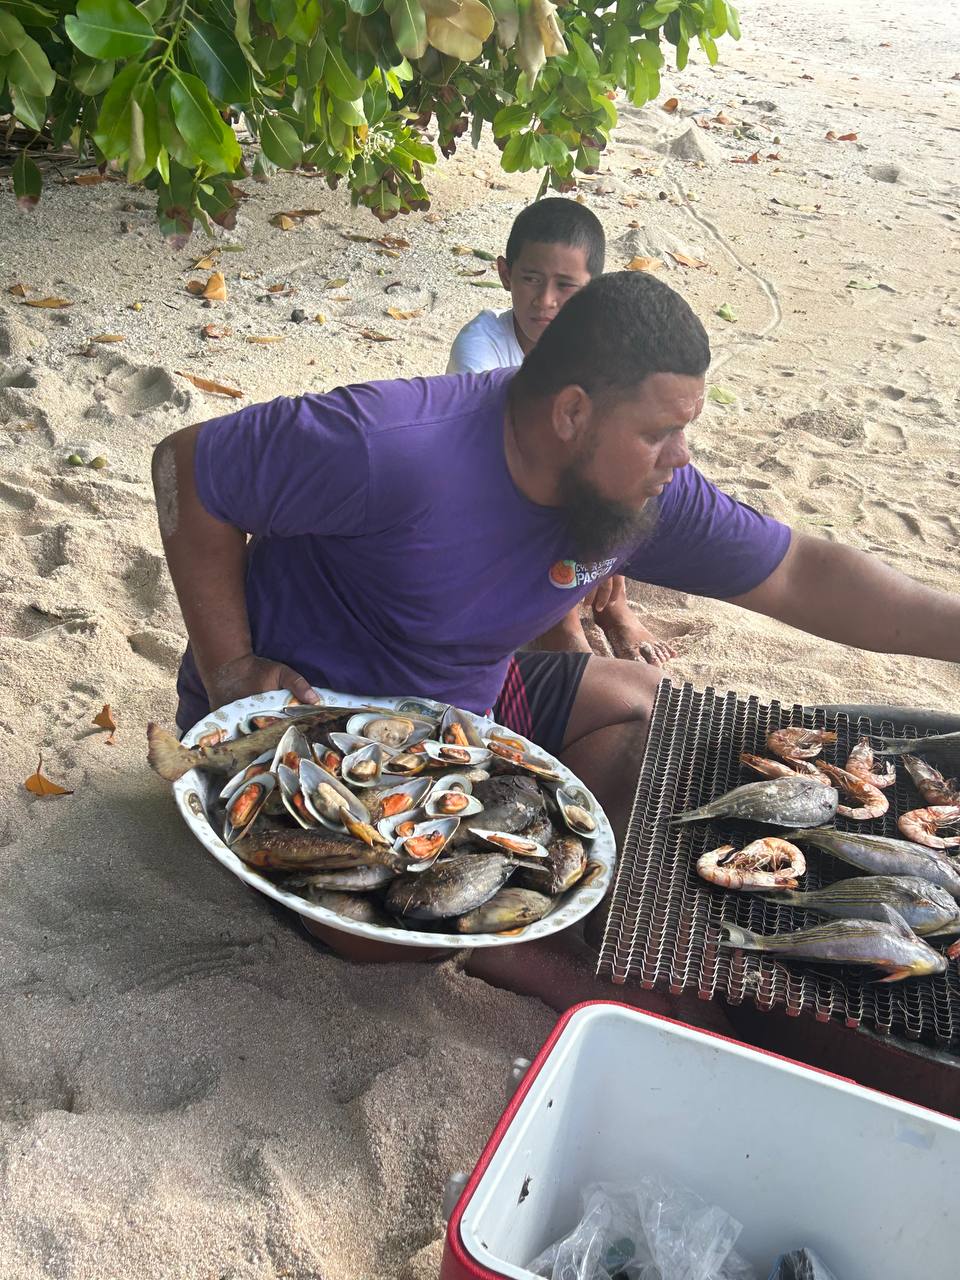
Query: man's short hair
[(558, 221), (613, 333)]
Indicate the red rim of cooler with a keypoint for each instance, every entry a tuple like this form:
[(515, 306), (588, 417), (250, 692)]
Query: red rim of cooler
[(458, 1264)]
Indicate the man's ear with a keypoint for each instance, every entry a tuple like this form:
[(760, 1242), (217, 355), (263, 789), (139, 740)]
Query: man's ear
[(570, 414), (504, 272)]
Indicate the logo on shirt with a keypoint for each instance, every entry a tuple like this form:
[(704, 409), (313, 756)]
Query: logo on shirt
[(568, 573)]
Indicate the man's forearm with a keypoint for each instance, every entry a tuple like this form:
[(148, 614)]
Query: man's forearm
[(207, 560), (854, 598)]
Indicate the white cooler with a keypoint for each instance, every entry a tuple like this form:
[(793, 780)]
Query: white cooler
[(800, 1157)]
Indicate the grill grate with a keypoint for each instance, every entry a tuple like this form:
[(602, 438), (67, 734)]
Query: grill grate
[(663, 924)]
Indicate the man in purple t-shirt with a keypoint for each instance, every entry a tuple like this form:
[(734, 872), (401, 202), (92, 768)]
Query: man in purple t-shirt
[(409, 537)]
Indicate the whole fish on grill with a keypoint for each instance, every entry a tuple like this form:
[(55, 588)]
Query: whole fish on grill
[(883, 856), (511, 803), (782, 802), (887, 943), (936, 742), (926, 907), (171, 759)]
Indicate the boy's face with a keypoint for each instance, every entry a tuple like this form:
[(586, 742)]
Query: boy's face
[(542, 278)]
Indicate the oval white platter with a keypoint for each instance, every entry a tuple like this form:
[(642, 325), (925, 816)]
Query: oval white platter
[(195, 792)]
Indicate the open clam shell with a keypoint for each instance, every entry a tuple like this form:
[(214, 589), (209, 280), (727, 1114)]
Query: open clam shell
[(347, 743), (246, 803), (406, 764), (508, 842), (260, 765), (400, 825), (390, 730), (402, 798), (576, 809), (458, 729), (291, 749), (327, 799), (449, 753), (452, 797), (294, 801), (328, 758), (428, 839), (363, 768)]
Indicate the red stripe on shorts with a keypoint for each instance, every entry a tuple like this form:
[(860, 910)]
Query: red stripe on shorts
[(512, 708)]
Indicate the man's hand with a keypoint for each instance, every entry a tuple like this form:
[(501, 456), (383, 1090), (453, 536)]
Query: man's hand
[(246, 675)]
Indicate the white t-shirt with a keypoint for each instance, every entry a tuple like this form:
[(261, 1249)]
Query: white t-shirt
[(489, 341)]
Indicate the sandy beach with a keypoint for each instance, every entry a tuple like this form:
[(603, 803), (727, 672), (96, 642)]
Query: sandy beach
[(188, 1089)]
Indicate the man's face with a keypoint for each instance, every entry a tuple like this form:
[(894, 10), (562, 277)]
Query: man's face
[(626, 452), (543, 277)]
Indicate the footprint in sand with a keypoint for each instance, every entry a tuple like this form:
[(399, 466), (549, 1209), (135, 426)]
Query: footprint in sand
[(132, 391)]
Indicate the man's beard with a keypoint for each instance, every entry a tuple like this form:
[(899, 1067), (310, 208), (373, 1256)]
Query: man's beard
[(599, 527)]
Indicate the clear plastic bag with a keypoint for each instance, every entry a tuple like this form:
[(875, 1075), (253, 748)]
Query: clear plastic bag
[(655, 1231)]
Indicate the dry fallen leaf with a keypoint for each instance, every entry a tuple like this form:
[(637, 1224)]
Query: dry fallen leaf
[(644, 264), (105, 720), (337, 284), (374, 336), (207, 262), (466, 271), (684, 260), (282, 287), (216, 287), (17, 290), (393, 242), (670, 105), (397, 314), (263, 338), (753, 159), (215, 388), (196, 287), (847, 137), (108, 337), (88, 179), (287, 219), (47, 302), (282, 221), (720, 118), (41, 786), (213, 331), (804, 76)]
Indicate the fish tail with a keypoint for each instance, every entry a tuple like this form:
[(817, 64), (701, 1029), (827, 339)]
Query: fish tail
[(692, 815), (734, 935), (166, 755), (788, 897)]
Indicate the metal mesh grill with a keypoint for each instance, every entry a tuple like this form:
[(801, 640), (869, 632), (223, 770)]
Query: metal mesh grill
[(663, 925)]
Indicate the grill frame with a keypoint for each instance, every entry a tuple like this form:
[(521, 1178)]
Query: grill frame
[(662, 927)]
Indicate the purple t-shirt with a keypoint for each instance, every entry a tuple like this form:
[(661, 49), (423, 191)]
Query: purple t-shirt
[(392, 553)]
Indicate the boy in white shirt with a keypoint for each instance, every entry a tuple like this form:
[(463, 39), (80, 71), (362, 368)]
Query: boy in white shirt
[(555, 247)]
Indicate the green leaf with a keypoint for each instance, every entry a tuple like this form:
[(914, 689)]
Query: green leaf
[(305, 23), (721, 395), (863, 284), (359, 53), (197, 119), (585, 55), (109, 29), (349, 112), (12, 34), (553, 151), (709, 47), (241, 29), (280, 142), (31, 108), (509, 119), (408, 22), (733, 20), (364, 7), (30, 14), (726, 312), (28, 68), (512, 156), (153, 10), (220, 63), (26, 181), (112, 134), (340, 79), (144, 134), (92, 77)]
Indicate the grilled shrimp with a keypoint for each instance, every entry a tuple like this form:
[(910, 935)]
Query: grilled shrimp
[(860, 763), (796, 743), (920, 825), (769, 863), (873, 803), (930, 782), (778, 769)]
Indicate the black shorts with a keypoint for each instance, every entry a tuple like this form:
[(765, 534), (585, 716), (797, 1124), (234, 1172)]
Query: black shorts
[(538, 695)]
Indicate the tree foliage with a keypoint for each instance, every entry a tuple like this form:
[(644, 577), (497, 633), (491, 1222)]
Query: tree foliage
[(343, 87)]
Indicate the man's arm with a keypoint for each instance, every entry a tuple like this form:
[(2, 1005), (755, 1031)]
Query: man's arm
[(207, 560), (851, 597)]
